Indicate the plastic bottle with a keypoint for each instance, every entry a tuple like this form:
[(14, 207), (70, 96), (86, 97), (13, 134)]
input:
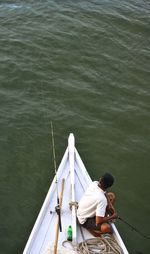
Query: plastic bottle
[(69, 233)]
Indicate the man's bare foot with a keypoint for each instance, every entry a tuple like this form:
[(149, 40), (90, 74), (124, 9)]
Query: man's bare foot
[(95, 233)]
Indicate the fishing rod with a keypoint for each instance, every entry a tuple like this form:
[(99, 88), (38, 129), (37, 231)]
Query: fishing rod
[(127, 223), (57, 208), (133, 228)]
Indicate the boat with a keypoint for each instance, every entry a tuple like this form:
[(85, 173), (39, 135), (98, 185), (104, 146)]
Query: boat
[(58, 212)]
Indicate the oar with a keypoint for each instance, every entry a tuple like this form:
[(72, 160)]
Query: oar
[(133, 228), (57, 226)]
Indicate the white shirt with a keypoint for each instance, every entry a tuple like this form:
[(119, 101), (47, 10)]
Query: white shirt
[(93, 203)]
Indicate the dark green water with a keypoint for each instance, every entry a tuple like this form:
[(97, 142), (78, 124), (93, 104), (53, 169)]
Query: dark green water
[(84, 65)]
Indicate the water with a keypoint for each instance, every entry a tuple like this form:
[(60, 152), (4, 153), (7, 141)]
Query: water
[(84, 65)]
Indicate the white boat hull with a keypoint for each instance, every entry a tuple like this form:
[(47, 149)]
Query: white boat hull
[(43, 235)]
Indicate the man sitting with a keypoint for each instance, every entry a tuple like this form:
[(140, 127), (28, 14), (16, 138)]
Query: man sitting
[(95, 209)]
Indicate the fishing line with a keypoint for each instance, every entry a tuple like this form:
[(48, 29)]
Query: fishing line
[(43, 107), (57, 207), (133, 228), (53, 147)]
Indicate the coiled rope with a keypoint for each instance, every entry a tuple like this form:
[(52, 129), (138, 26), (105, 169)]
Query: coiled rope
[(100, 245), (106, 244)]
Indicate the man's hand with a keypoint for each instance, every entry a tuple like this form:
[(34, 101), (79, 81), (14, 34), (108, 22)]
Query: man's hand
[(100, 220), (114, 216), (110, 209)]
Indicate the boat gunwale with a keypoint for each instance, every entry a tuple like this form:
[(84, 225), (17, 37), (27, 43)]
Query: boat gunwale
[(45, 204)]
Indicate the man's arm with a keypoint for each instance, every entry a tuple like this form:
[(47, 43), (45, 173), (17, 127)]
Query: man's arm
[(100, 220), (110, 200)]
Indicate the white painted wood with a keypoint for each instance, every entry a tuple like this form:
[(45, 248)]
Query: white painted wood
[(42, 237), (71, 144)]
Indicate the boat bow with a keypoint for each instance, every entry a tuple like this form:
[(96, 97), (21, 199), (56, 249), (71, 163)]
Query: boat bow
[(76, 181)]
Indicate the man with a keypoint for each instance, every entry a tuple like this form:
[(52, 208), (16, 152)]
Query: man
[(95, 209)]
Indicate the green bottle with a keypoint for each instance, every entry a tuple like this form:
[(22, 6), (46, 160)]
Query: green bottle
[(69, 233)]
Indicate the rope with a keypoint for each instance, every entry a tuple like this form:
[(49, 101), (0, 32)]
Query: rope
[(106, 244), (73, 204), (100, 245)]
